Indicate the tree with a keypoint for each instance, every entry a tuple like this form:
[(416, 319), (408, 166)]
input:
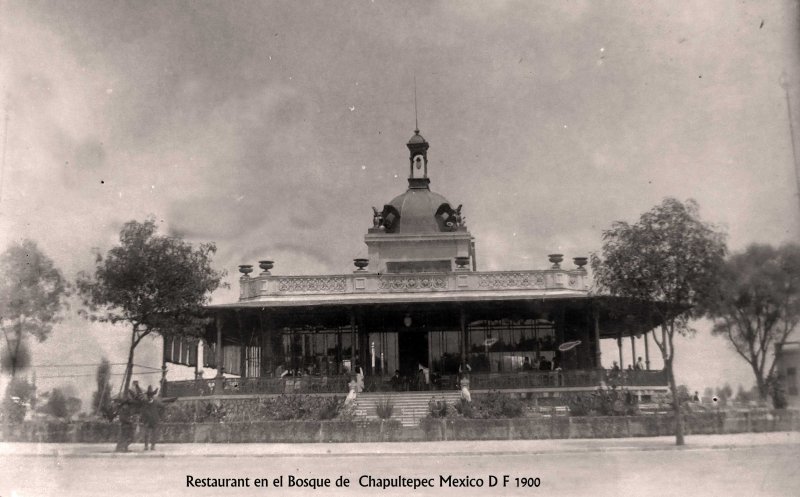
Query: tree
[(742, 396), (57, 404), (725, 393), (20, 395), (757, 305), (669, 261), (101, 398), (73, 405), (32, 293), (684, 394), (157, 284)]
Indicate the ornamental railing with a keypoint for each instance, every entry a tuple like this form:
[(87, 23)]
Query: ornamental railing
[(363, 282), (478, 381)]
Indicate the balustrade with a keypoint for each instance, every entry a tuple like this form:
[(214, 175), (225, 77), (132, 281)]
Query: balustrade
[(478, 381), (266, 285)]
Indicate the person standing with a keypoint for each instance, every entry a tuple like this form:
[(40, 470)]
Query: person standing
[(464, 384), (151, 416), (125, 413), (359, 378)]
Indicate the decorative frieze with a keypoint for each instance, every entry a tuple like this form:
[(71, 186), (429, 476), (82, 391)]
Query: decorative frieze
[(511, 280), (412, 283), (324, 284), (365, 283)]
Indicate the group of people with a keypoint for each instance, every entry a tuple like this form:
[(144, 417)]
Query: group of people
[(637, 366), (542, 364), (421, 381), (282, 372), (147, 407)]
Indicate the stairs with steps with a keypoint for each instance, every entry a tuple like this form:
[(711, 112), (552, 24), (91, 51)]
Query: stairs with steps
[(409, 407)]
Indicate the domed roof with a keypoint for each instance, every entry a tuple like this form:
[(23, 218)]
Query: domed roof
[(417, 208), (417, 138)]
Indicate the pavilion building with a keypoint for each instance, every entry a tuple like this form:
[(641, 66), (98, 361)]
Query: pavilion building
[(416, 302)]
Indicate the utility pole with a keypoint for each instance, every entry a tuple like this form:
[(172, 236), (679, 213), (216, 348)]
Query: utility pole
[(5, 145), (784, 82)]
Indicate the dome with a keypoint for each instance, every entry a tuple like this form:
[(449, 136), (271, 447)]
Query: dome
[(417, 208), (416, 139)]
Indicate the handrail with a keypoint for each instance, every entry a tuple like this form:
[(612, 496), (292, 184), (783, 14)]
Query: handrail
[(478, 381)]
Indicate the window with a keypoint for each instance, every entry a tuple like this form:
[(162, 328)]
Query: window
[(317, 351), (791, 380), (502, 345)]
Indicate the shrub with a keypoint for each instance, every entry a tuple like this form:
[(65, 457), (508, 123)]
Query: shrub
[(464, 408), (498, 405), (281, 408), (612, 402), (329, 408), (384, 408), (437, 408)]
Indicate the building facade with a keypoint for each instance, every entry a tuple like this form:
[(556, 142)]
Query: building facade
[(416, 303)]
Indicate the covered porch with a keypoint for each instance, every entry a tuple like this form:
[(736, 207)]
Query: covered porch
[(508, 343)]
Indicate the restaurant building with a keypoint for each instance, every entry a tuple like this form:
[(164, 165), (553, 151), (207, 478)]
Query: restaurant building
[(416, 303)]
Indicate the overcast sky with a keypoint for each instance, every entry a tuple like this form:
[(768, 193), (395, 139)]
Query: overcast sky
[(271, 128)]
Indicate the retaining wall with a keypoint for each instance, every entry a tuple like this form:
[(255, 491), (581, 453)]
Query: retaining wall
[(429, 429)]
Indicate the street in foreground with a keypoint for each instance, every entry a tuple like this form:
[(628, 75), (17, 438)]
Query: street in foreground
[(746, 465)]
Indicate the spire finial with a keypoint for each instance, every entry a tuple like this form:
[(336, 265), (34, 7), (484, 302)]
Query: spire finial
[(416, 121)]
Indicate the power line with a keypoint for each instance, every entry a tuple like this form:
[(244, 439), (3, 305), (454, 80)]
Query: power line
[(92, 365), (92, 374), (75, 365)]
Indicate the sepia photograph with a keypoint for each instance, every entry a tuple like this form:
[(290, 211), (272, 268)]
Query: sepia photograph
[(384, 248)]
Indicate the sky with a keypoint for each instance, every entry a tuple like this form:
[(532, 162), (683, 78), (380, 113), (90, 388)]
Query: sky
[(271, 128)]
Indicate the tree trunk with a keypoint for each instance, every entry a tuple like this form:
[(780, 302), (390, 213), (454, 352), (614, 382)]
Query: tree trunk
[(761, 383), (126, 384), (676, 403)]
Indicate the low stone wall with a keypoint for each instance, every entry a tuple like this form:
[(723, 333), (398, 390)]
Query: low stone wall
[(554, 427)]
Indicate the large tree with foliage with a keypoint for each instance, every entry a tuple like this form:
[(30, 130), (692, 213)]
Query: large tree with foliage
[(155, 283), (669, 261), (32, 293), (758, 305)]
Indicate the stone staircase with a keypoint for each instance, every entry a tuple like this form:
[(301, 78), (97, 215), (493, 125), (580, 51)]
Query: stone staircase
[(409, 407)]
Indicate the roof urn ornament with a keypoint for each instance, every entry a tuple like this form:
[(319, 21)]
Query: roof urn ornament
[(462, 261), (266, 266), (580, 262), (246, 269), (361, 264), (556, 259)]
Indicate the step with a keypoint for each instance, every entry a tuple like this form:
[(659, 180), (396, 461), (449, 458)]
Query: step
[(409, 407)]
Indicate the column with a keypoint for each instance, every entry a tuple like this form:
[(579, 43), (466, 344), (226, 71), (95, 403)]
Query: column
[(352, 340), (219, 378), (462, 319), (633, 349), (619, 346), (199, 364), (597, 352), (242, 347), (646, 352), (267, 367)]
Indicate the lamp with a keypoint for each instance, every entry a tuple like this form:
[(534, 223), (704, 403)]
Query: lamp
[(407, 320)]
